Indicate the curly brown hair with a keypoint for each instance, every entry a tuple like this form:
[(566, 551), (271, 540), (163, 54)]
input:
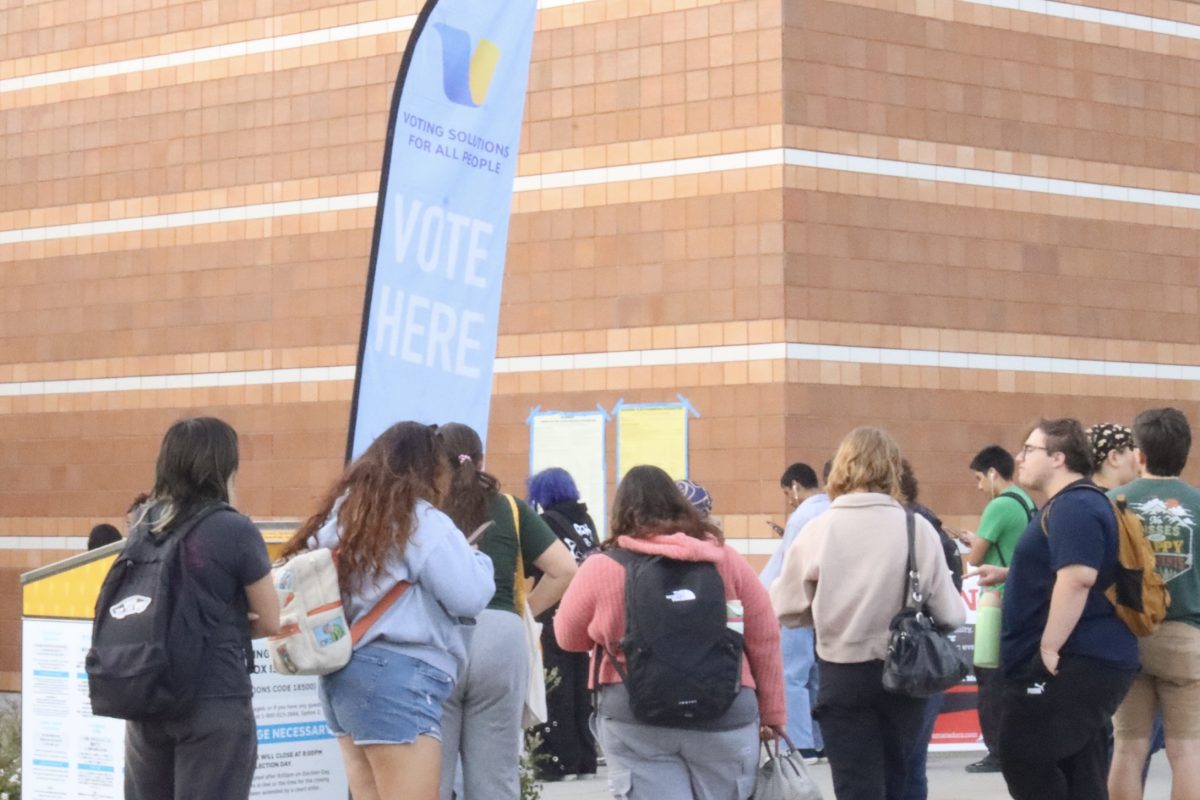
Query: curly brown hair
[(648, 503), (379, 492)]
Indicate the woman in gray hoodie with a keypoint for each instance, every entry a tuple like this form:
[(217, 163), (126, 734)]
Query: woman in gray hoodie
[(385, 706)]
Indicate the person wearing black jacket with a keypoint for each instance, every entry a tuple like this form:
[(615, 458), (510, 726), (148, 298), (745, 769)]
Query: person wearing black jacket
[(568, 747)]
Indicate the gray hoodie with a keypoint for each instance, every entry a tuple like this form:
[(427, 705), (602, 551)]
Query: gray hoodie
[(451, 583)]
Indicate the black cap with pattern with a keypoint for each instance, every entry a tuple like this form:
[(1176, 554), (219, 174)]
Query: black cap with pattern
[(1107, 437)]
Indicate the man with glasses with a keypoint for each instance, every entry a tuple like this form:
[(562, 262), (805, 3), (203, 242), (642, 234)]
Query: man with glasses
[(1066, 657), (1170, 676)]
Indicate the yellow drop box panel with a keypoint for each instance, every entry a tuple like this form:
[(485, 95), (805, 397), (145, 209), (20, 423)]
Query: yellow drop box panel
[(68, 589)]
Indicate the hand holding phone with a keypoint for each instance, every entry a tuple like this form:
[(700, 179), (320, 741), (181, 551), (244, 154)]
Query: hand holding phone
[(778, 530)]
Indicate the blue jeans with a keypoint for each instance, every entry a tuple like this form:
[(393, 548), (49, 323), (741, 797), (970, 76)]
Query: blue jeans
[(917, 785), (800, 684)]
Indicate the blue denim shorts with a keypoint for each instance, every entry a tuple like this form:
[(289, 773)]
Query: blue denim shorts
[(385, 697)]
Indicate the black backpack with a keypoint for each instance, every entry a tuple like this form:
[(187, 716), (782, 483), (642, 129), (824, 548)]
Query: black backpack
[(683, 664), (152, 628)]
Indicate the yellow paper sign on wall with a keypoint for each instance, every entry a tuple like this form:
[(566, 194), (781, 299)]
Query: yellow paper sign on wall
[(652, 434)]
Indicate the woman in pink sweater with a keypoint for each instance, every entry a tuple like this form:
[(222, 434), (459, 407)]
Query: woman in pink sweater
[(713, 759), (845, 575)]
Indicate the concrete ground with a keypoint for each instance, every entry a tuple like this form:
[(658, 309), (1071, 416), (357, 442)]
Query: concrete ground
[(947, 781)]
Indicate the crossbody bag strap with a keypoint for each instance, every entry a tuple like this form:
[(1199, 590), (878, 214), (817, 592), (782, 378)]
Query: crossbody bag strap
[(519, 577), (568, 528)]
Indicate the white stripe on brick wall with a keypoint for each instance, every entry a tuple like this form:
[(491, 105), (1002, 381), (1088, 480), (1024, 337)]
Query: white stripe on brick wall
[(43, 542), (632, 172), (268, 44), (1102, 16), (727, 354), (358, 30)]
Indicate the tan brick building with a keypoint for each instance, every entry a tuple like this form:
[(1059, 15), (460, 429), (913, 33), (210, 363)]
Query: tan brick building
[(947, 217)]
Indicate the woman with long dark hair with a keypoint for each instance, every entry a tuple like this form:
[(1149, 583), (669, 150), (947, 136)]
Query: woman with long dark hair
[(194, 478), (385, 706), (567, 745), (483, 715), (714, 759)]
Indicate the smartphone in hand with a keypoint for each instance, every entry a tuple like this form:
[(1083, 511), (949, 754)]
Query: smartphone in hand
[(478, 532), (778, 530)]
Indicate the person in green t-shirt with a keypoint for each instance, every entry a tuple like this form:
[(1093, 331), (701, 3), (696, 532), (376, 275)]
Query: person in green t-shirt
[(481, 720), (1170, 676), (1004, 519)]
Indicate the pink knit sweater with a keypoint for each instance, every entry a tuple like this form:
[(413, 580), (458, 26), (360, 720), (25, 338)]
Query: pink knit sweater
[(593, 611)]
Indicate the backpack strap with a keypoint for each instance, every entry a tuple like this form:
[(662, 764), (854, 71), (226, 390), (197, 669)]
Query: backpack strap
[(1046, 510), (1030, 509), (359, 629), (627, 559), (519, 577)]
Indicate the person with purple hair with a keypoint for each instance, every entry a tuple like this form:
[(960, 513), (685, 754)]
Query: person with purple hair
[(567, 747)]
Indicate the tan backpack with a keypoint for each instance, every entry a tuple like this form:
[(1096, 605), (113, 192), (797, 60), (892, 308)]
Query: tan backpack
[(1139, 593)]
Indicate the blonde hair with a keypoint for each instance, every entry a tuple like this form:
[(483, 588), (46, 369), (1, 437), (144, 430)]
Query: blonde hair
[(867, 460)]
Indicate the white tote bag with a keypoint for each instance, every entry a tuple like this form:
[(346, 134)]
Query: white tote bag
[(534, 712)]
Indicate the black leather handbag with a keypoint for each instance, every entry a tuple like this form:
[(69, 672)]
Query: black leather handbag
[(921, 660)]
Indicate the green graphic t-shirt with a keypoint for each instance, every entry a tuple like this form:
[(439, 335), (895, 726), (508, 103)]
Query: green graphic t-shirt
[(1004, 520), (1168, 508)]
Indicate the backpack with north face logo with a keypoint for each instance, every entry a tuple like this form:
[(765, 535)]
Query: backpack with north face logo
[(153, 626), (683, 662)]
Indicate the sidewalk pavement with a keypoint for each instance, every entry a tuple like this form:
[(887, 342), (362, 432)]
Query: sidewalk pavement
[(947, 781)]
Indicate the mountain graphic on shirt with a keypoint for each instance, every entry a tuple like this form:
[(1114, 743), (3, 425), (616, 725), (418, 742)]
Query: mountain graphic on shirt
[(1169, 527)]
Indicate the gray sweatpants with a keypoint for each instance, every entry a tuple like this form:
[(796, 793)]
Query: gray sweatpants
[(647, 762), (482, 718)]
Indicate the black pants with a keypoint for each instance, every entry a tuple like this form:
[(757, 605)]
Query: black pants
[(869, 732), (208, 755), (1053, 733), (567, 743), (989, 684)]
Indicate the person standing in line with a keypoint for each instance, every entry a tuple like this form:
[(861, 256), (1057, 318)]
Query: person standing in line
[(712, 760), (385, 706), (1008, 512), (801, 679), (917, 785), (101, 535), (847, 577), (482, 718), (1067, 658), (1169, 682), (1114, 458), (567, 747), (196, 469)]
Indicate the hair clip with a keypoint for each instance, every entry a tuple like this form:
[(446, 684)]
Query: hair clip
[(463, 458)]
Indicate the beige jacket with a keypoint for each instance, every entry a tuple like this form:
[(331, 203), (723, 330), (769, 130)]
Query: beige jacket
[(845, 576)]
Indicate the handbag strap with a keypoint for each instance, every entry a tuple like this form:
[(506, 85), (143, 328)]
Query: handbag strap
[(913, 597), (519, 577)]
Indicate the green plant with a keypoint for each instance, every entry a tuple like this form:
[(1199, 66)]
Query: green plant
[(10, 754), (531, 787)]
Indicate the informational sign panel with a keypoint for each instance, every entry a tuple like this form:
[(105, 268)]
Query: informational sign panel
[(574, 442), (68, 754), (652, 434), (957, 727)]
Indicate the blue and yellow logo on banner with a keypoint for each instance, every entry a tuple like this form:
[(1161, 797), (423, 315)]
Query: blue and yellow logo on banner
[(441, 227), (466, 75)]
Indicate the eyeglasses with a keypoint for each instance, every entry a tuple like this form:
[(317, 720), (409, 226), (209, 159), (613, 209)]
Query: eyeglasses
[(1029, 448)]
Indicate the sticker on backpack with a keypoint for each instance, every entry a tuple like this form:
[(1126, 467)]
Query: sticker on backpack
[(129, 606)]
